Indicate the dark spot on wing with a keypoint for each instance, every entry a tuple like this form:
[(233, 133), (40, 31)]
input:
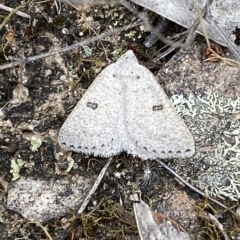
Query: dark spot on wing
[(163, 152), (92, 105), (63, 143), (79, 147), (138, 77), (169, 151), (188, 150), (158, 107), (178, 151), (71, 146), (114, 75)]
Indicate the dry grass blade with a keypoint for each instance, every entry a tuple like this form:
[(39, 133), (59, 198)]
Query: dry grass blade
[(19, 13), (43, 228), (231, 46), (214, 220), (12, 12)]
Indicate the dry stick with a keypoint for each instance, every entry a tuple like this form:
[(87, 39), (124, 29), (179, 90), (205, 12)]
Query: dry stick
[(230, 45), (181, 36), (190, 35), (205, 13), (95, 186), (214, 220), (208, 17), (200, 17), (68, 48), (87, 199), (92, 191), (192, 187), (192, 30), (12, 12), (19, 13), (58, 6)]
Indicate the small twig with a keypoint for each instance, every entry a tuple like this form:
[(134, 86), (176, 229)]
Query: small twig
[(200, 17), (94, 187), (68, 48), (190, 36), (92, 191), (192, 187), (58, 6), (192, 30), (19, 13), (181, 36), (12, 12), (208, 17), (230, 45), (43, 228), (1, 111), (214, 220)]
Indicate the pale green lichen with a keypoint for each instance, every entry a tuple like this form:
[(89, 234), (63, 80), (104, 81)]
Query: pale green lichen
[(131, 34), (70, 163), (116, 53), (214, 123), (35, 144), (87, 51), (184, 106), (16, 167)]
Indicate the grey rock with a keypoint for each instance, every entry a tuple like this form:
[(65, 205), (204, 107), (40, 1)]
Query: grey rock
[(39, 200)]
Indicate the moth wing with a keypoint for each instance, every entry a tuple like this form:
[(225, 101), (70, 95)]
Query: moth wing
[(154, 128), (92, 127)]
